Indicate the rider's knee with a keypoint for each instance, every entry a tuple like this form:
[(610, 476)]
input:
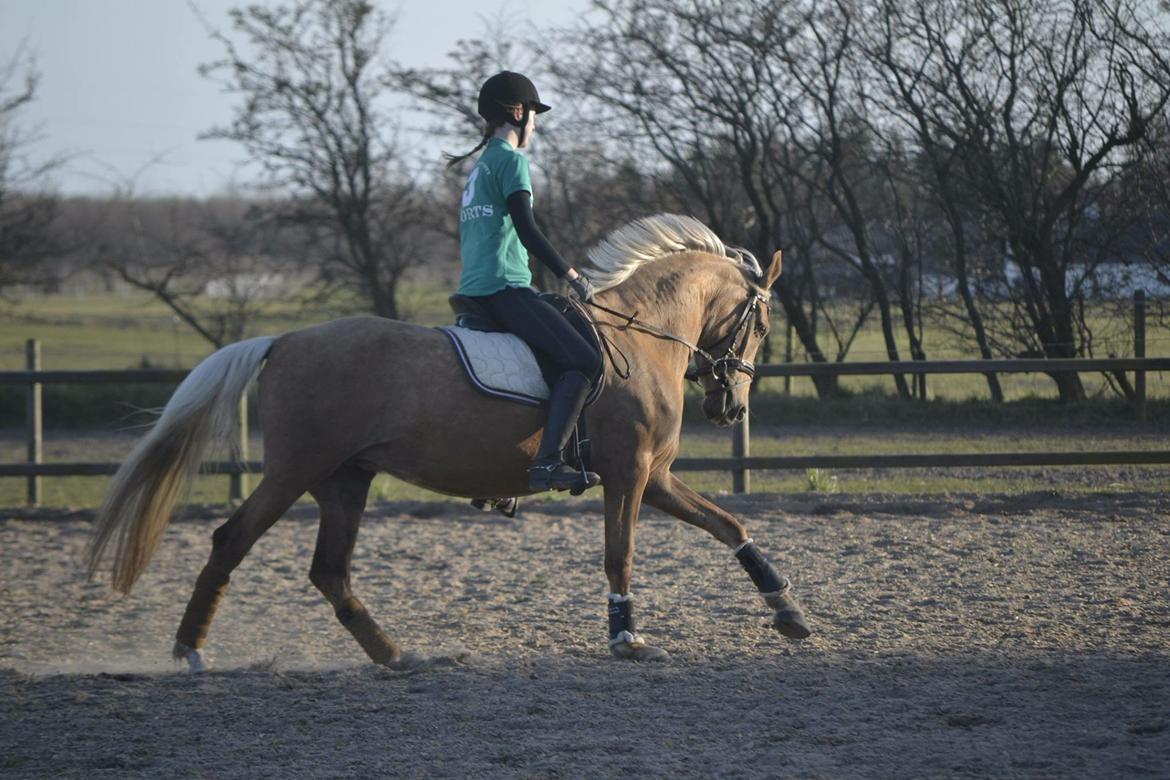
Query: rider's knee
[(590, 365)]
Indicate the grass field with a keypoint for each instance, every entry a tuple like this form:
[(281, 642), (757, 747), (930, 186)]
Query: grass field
[(134, 329), (120, 331)]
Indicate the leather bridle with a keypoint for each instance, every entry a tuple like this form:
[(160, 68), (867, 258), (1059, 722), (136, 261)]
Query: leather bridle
[(719, 368)]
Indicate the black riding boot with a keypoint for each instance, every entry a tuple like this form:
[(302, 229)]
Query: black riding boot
[(549, 471)]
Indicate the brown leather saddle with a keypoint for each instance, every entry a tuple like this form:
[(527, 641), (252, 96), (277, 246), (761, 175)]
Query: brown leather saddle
[(471, 315)]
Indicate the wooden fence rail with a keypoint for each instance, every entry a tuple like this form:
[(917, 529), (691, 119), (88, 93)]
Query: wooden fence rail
[(740, 464), (1020, 366)]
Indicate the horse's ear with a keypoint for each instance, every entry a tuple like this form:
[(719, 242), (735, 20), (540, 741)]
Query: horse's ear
[(772, 273)]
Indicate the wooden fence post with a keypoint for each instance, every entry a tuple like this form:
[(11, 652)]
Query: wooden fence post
[(1139, 351), (741, 446), (239, 481), (33, 419)]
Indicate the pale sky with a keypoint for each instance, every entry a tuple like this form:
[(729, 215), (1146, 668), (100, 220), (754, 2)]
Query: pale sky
[(120, 94)]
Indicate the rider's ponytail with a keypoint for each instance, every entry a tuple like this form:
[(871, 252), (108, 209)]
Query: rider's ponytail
[(489, 129)]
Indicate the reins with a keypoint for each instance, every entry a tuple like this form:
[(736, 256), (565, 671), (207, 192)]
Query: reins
[(719, 368), (633, 323)]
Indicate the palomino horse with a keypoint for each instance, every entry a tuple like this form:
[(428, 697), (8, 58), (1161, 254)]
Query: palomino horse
[(347, 399)]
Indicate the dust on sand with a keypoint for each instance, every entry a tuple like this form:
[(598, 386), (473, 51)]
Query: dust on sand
[(956, 636)]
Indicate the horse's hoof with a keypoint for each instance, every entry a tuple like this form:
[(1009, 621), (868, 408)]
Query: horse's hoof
[(408, 662), (196, 662), (789, 617), (790, 622), (638, 652)]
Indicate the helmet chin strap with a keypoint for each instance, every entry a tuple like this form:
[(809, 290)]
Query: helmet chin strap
[(523, 125)]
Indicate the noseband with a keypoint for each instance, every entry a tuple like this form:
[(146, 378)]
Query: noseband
[(719, 368)]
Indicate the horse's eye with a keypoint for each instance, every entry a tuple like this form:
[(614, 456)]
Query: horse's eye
[(761, 329)]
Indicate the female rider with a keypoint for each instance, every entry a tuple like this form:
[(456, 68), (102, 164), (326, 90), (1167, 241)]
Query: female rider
[(497, 232)]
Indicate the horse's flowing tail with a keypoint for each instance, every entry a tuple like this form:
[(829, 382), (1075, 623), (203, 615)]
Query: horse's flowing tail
[(204, 410)]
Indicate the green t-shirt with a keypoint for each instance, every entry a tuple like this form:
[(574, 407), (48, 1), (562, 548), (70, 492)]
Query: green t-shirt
[(493, 257)]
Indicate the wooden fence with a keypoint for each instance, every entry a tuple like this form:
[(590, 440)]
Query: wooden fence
[(740, 464)]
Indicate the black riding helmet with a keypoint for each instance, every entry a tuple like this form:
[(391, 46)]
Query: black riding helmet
[(499, 93), (506, 89)]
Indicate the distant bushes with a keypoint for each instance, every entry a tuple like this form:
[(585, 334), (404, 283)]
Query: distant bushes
[(874, 409), (108, 406)]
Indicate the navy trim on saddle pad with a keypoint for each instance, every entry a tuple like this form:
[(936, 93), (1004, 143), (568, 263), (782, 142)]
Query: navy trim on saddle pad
[(520, 398)]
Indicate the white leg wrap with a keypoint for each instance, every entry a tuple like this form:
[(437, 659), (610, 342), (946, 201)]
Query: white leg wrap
[(745, 543), (196, 661), (625, 637), (618, 597)]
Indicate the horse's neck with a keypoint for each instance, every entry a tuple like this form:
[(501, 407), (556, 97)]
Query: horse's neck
[(682, 296)]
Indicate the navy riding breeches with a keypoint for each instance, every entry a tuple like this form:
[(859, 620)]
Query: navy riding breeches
[(544, 329)]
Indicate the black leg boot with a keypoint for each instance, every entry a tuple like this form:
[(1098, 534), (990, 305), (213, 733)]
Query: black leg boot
[(549, 471)]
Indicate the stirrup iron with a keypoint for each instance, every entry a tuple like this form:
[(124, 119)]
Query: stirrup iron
[(558, 475)]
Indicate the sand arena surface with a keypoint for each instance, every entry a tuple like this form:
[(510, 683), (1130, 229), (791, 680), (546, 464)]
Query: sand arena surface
[(961, 636)]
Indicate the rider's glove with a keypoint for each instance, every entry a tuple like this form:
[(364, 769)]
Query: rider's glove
[(583, 287)]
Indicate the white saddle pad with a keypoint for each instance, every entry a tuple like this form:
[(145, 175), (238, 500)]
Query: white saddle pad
[(499, 364)]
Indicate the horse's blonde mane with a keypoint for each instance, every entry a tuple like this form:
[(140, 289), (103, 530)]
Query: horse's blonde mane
[(644, 240)]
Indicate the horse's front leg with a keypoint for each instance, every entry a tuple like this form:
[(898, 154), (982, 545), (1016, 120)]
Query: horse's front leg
[(623, 500), (668, 493)]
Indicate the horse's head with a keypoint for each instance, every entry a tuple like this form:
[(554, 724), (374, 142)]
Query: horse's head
[(725, 302), (725, 368)]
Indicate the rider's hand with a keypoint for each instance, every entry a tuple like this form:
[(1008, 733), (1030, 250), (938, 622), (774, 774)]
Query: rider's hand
[(582, 287)]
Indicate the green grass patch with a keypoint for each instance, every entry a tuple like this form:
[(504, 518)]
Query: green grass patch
[(121, 330), (134, 329)]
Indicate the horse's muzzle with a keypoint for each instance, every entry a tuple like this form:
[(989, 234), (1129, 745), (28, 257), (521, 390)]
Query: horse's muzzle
[(720, 409)]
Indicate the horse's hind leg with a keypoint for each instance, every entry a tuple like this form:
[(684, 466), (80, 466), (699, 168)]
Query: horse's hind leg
[(670, 494), (229, 544), (342, 499)]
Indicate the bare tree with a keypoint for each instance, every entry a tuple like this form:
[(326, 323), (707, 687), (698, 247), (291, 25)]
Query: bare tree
[(310, 77), (694, 94), (1140, 202), (28, 206), (218, 265), (827, 116), (909, 228), (1029, 107), (898, 86)]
